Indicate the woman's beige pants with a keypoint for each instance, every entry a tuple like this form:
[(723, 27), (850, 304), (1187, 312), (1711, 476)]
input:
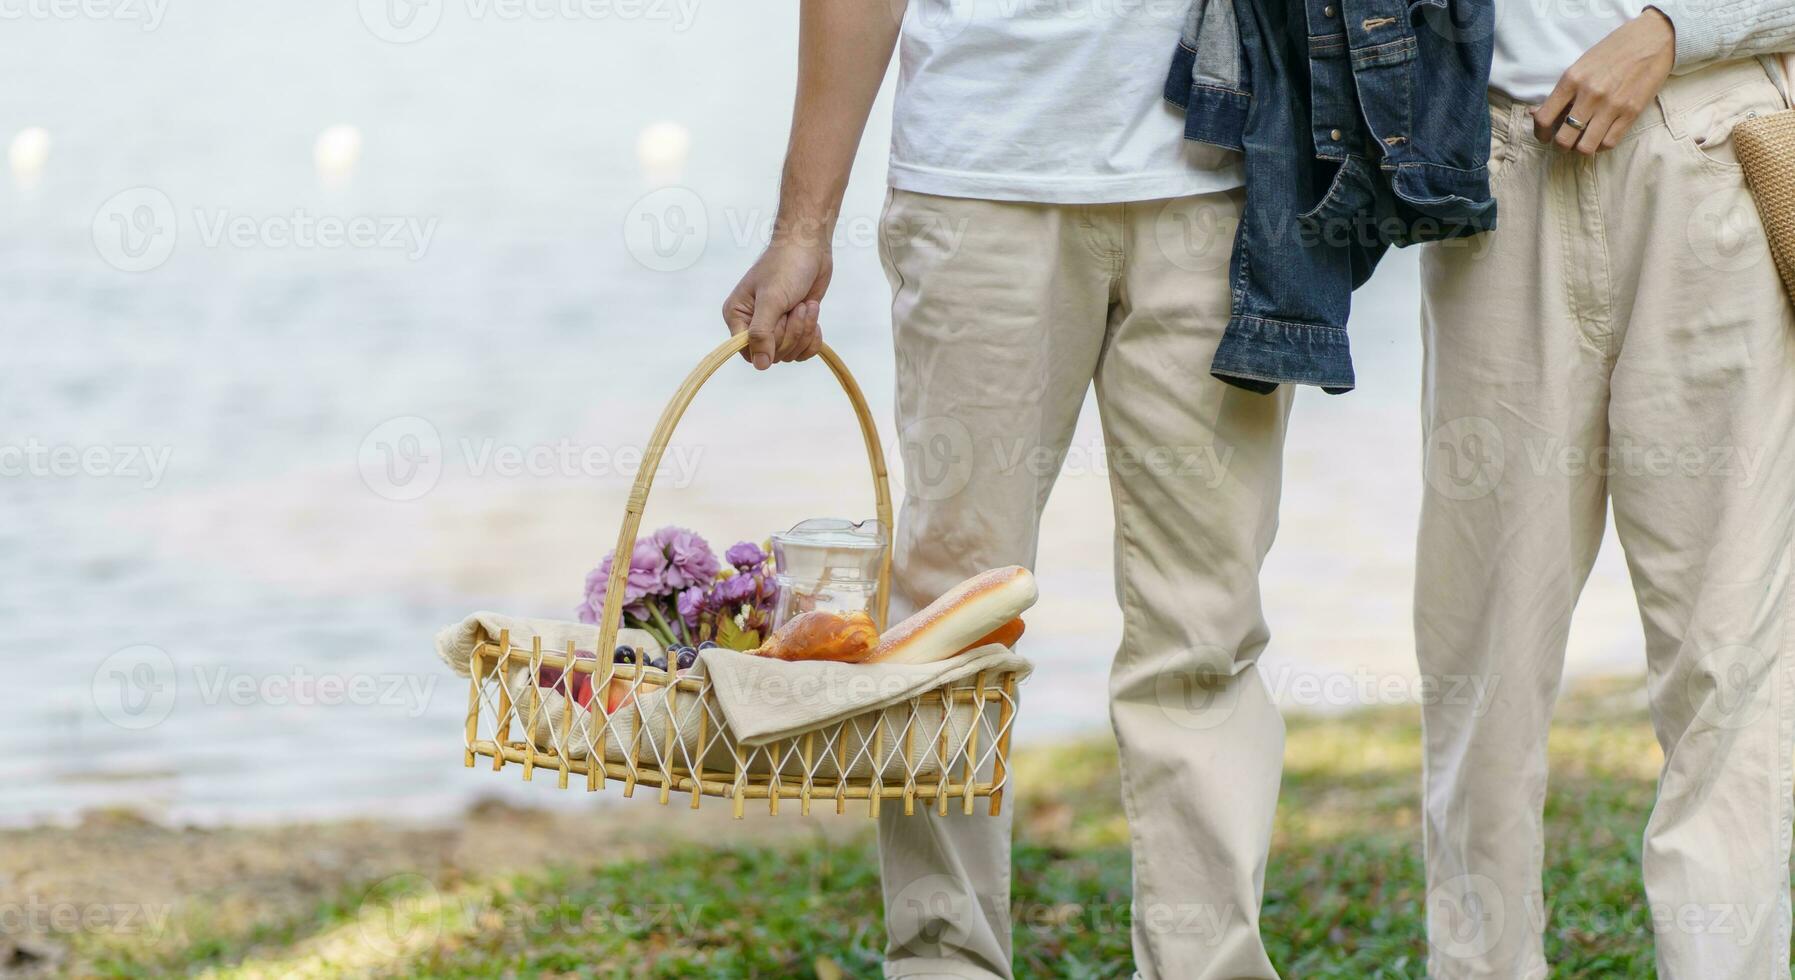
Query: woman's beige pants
[(1005, 314), (1622, 336)]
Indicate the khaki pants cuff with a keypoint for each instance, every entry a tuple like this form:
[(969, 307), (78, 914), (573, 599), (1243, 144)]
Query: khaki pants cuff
[(926, 969)]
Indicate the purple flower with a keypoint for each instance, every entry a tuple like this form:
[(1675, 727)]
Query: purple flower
[(691, 605), (734, 590), (647, 565), (745, 555), (592, 606), (649, 573), (690, 560), (672, 586)]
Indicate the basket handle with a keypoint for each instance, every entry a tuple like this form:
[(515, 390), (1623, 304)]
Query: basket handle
[(663, 434)]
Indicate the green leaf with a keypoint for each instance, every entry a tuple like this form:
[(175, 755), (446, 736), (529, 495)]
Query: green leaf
[(733, 637)]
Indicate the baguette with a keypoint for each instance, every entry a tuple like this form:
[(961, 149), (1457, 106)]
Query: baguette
[(950, 625)]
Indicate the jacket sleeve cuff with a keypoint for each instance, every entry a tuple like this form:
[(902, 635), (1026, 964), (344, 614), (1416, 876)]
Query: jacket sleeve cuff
[(1698, 31)]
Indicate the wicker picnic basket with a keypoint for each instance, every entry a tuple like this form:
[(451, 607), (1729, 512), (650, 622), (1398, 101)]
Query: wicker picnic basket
[(947, 747)]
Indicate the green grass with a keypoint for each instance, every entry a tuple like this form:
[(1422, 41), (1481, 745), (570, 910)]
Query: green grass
[(1344, 893)]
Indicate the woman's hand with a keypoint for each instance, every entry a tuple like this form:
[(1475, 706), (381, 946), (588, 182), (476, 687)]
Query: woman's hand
[(777, 303), (1607, 89)]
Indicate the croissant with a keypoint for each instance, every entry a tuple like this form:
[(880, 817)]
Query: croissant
[(822, 635)]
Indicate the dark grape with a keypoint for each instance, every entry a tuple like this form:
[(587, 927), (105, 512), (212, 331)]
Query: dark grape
[(625, 654), (658, 663), (687, 657)]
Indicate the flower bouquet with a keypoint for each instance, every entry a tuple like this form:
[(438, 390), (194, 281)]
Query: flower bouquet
[(681, 594)]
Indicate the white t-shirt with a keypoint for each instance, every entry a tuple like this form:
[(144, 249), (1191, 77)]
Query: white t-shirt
[(1050, 101), (1538, 40)]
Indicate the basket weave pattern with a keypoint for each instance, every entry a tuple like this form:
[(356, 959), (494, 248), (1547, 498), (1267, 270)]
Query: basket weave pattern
[(948, 746), (1766, 148)]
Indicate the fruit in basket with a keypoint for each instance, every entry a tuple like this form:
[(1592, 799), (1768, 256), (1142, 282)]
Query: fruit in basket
[(580, 686), (619, 696), (685, 657), (582, 689), (822, 635), (556, 679), (624, 654)]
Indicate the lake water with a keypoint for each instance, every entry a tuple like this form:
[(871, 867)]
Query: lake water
[(235, 335)]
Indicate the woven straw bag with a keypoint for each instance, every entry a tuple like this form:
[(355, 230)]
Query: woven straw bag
[(1766, 148)]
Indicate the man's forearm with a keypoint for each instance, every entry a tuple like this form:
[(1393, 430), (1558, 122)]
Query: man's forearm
[(844, 47)]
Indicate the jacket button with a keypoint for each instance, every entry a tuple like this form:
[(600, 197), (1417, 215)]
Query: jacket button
[(1327, 11), (1336, 135)]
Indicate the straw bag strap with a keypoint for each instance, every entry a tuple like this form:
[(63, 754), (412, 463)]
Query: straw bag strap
[(663, 434)]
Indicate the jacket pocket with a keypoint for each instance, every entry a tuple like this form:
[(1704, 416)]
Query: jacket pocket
[(1348, 196)]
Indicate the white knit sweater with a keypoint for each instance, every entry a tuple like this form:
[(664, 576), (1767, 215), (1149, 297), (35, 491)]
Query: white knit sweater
[(1721, 30)]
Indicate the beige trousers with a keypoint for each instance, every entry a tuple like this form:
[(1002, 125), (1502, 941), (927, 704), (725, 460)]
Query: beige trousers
[(1005, 314), (1621, 337)]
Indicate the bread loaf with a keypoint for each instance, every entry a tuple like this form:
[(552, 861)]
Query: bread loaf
[(970, 611), (822, 635)]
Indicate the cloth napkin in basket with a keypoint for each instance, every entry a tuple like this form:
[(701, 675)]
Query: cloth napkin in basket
[(455, 644), (765, 700)]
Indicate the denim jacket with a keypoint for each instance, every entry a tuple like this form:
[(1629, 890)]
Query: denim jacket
[(1364, 125)]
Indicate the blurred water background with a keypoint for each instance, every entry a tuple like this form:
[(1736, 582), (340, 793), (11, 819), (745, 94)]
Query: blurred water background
[(541, 206)]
